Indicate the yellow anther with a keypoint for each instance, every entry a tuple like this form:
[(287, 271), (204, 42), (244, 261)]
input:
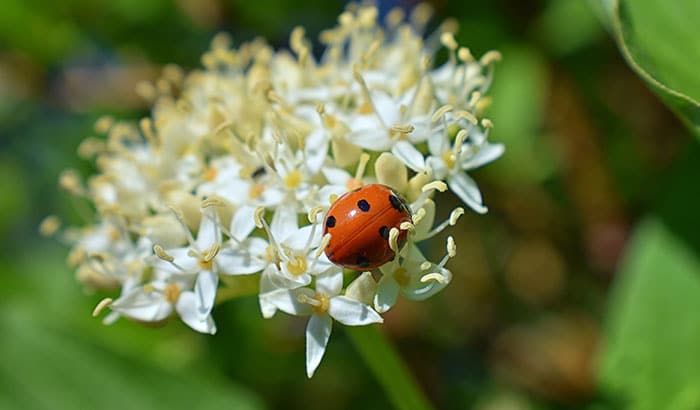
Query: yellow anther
[(402, 129), (486, 123), (455, 214), (425, 265), (490, 57), (313, 213), (465, 55), (146, 126), (395, 17), (258, 217), (451, 247), (211, 254), (160, 252), (418, 216), (393, 240), (474, 98), (436, 185), (212, 201), (441, 111), (434, 276), (103, 124), (448, 40), (50, 225), (407, 226), (362, 166), (100, 306), (71, 182), (324, 242), (467, 116)]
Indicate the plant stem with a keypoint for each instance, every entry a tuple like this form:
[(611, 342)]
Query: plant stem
[(388, 368)]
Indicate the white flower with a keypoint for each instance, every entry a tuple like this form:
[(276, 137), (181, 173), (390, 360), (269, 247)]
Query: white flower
[(323, 304), (293, 258), (448, 161)]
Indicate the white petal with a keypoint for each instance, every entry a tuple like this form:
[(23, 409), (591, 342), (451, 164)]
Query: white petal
[(182, 264), (387, 108), (362, 289), (336, 176), (205, 290), (409, 155), (305, 238), (288, 300), (437, 166), (426, 224), (438, 143), (486, 154), (387, 294), (208, 233), (351, 312), (242, 259), (243, 222), (330, 284), (374, 139), (466, 189), (139, 305), (284, 223), (315, 150), (318, 331), (189, 313)]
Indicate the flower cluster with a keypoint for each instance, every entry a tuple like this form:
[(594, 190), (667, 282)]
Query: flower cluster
[(228, 181)]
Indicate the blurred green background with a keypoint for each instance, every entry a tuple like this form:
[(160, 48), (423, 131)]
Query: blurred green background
[(580, 289)]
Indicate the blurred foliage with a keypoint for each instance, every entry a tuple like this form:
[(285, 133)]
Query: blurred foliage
[(653, 345), (660, 43), (591, 152)]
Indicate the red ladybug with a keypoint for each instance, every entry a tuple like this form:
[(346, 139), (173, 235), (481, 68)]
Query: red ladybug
[(359, 223)]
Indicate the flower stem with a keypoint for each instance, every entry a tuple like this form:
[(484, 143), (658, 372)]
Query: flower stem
[(388, 368)]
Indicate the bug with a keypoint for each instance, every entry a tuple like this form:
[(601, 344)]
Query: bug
[(360, 222)]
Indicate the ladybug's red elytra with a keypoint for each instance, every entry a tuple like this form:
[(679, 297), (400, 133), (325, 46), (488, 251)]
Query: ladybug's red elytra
[(359, 223)]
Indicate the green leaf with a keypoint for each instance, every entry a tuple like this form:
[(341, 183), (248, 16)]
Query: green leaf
[(388, 368), (659, 40), (652, 347), (518, 110), (44, 367)]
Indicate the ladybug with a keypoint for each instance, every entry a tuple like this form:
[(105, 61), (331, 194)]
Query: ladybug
[(359, 223)]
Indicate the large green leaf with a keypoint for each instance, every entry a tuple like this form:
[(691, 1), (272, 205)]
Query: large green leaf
[(652, 353), (661, 42)]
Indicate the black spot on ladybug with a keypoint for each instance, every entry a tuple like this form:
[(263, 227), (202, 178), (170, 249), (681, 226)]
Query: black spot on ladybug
[(362, 261), (396, 203), (384, 232), (363, 205), (330, 221)]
